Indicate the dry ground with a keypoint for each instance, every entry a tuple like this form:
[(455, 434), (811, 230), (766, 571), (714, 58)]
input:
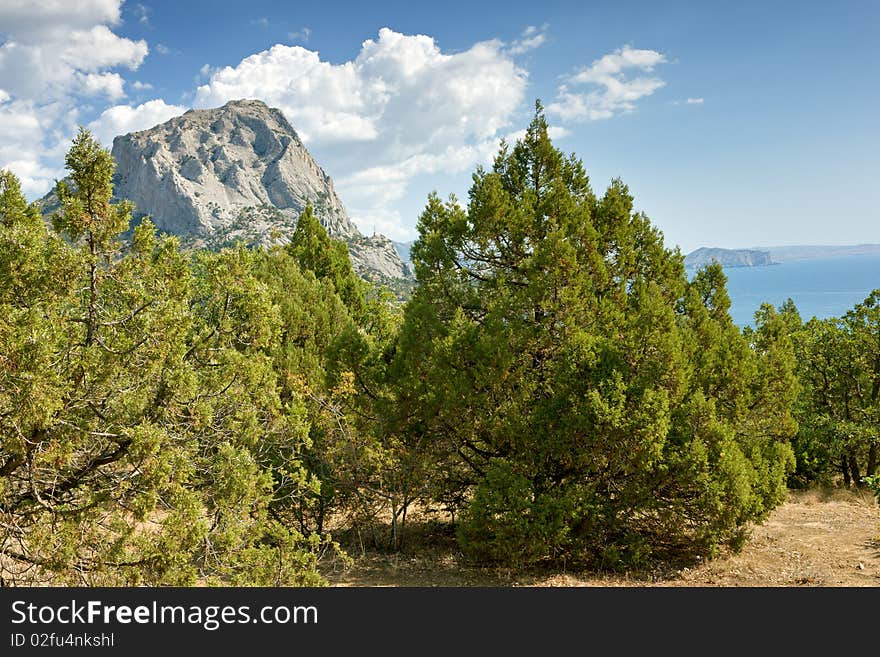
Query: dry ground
[(814, 539)]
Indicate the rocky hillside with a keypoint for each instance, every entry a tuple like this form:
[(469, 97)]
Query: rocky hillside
[(728, 257), (237, 172)]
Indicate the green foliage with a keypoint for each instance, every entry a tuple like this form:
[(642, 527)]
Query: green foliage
[(339, 361), (505, 522), (311, 316), (172, 417), (141, 420), (873, 482), (85, 201), (327, 259), (580, 397), (839, 368)]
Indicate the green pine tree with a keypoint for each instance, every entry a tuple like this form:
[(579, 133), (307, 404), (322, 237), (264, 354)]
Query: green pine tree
[(560, 370)]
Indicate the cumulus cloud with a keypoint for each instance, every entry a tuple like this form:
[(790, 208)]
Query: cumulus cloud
[(122, 119), (610, 90), (401, 108), (55, 55), (28, 18), (400, 87), (23, 128), (98, 48), (53, 60), (107, 84)]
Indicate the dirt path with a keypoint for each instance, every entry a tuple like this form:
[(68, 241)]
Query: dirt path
[(811, 540), (814, 539)]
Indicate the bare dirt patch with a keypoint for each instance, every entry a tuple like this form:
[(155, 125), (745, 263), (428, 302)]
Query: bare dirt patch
[(817, 538)]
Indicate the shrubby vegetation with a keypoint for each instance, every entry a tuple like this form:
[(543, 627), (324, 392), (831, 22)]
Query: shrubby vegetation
[(556, 384), (145, 439), (839, 406)]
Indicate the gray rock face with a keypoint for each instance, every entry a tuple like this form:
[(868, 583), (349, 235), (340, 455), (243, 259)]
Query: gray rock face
[(197, 174), (376, 254), (728, 257)]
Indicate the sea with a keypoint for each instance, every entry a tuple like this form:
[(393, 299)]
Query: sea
[(826, 287)]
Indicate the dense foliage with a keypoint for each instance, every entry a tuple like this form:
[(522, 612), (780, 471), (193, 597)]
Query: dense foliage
[(839, 408), (584, 398), (140, 412), (556, 383)]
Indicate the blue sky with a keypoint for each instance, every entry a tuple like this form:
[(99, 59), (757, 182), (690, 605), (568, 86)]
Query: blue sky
[(735, 124)]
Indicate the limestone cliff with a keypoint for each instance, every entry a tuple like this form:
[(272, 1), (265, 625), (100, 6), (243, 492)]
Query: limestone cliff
[(237, 172)]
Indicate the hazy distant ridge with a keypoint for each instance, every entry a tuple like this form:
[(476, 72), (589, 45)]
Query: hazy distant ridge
[(812, 252)]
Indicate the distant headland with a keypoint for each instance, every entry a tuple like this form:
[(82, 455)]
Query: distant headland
[(728, 257), (771, 255)]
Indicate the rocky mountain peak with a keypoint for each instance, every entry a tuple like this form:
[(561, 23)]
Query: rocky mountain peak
[(237, 171)]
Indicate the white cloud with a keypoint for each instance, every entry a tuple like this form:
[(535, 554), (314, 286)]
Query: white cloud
[(107, 84), (612, 91), (22, 130), (56, 57), (401, 108), (687, 101), (389, 180), (18, 125), (616, 62), (26, 17), (371, 193), (137, 85), (553, 131), (302, 36), (56, 61), (399, 87), (122, 119), (531, 38), (162, 49), (97, 48), (261, 22), (142, 13)]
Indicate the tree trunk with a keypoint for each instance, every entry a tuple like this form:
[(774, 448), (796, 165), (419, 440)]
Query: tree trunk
[(854, 471), (320, 519), (406, 503), (872, 460), (394, 512), (93, 291), (844, 467)]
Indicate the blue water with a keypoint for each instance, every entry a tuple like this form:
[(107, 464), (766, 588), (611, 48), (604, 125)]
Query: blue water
[(821, 288)]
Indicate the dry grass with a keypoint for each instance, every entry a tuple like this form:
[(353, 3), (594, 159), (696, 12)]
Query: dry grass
[(817, 538)]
